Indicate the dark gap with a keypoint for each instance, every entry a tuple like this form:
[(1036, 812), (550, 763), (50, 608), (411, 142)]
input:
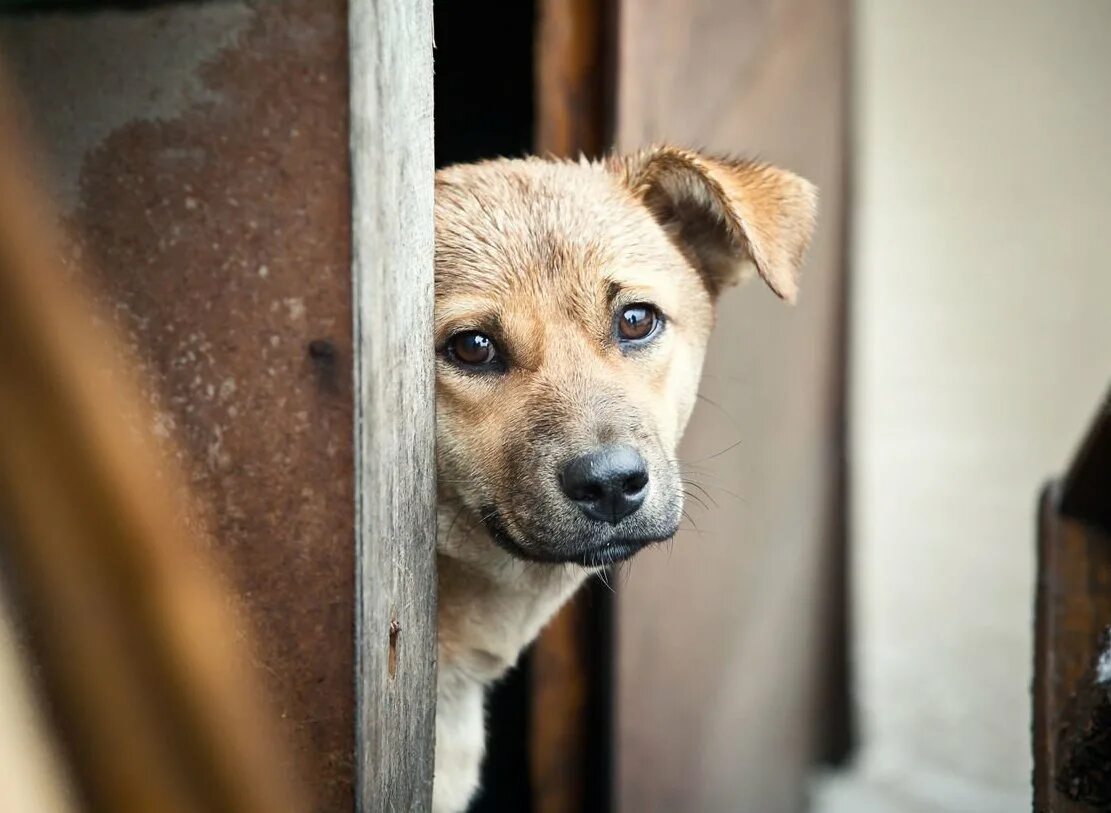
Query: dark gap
[(598, 761), (484, 80), (484, 109)]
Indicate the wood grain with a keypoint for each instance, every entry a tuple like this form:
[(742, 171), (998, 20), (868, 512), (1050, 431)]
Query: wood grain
[(725, 645), (392, 182), (574, 82), (1072, 615)]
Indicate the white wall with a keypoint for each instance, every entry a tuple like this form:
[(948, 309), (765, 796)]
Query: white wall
[(982, 343)]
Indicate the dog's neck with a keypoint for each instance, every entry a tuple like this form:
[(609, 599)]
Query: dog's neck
[(492, 606)]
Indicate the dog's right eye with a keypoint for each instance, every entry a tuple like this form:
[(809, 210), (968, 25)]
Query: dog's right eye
[(473, 349)]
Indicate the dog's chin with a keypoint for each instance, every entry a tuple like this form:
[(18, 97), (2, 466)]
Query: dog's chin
[(610, 552)]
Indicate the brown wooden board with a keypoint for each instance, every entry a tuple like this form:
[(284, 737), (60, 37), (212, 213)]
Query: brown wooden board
[(725, 646), (1073, 608), (200, 152)]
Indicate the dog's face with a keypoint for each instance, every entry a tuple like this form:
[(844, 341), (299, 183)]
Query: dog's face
[(573, 306)]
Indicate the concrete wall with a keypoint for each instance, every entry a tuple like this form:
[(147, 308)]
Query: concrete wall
[(982, 343)]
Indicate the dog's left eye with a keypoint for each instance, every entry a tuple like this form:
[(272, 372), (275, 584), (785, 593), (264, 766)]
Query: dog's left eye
[(635, 323)]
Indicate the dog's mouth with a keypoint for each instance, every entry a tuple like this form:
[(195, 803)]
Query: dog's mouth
[(609, 552)]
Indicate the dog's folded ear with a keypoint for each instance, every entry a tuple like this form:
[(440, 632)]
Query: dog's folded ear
[(728, 216)]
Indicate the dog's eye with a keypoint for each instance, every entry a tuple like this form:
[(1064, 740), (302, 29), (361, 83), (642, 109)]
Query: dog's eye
[(472, 349), (637, 322)]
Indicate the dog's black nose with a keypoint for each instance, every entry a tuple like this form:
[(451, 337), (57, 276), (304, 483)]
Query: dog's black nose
[(608, 483)]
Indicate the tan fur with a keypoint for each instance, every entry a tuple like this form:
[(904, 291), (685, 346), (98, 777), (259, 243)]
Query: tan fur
[(540, 255)]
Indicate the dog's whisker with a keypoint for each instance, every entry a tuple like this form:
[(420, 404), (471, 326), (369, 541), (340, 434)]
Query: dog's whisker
[(605, 580), (451, 527), (686, 515), (694, 484), (716, 455), (725, 490), (732, 421), (695, 498)]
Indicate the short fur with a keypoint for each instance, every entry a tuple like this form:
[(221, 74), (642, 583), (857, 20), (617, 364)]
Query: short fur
[(540, 255)]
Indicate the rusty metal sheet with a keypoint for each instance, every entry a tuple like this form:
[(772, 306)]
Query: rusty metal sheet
[(201, 151)]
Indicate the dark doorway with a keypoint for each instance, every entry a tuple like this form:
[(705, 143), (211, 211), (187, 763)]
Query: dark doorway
[(484, 109)]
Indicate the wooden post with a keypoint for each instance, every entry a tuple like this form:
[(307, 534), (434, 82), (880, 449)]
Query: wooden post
[(1072, 613), (392, 240)]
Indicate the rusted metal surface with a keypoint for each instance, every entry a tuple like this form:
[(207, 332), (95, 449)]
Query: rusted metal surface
[(135, 643), (211, 193)]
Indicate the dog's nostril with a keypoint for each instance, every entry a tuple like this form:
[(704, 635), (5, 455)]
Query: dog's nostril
[(635, 483), (608, 483), (592, 492)]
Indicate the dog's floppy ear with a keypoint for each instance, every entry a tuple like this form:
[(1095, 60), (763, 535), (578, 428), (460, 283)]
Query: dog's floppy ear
[(728, 216)]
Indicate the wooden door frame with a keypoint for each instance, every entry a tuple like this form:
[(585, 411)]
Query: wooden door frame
[(392, 170)]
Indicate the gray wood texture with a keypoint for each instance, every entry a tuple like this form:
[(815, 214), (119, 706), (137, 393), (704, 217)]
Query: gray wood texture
[(392, 185)]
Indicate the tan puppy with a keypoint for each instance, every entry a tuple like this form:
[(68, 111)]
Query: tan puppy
[(573, 306)]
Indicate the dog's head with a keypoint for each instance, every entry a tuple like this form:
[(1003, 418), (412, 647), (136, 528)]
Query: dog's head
[(573, 306)]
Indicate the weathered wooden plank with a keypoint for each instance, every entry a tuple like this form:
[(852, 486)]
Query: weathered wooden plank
[(1073, 607), (1084, 748), (1072, 724), (392, 183)]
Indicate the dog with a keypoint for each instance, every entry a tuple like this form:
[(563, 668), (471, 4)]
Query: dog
[(573, 304)]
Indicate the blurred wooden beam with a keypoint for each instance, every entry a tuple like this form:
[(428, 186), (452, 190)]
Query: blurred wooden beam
[(570, 735)]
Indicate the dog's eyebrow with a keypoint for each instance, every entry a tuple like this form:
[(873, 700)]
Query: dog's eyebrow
[(613, 290), (483, 322)]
